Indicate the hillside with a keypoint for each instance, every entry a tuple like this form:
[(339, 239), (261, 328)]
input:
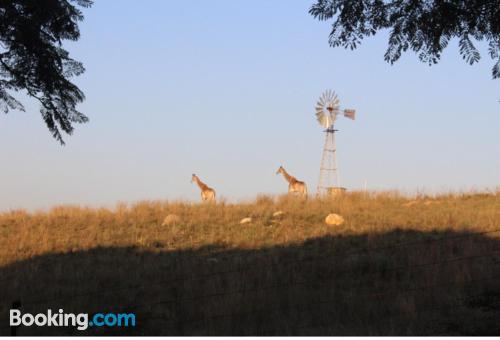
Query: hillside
[(397, 266)]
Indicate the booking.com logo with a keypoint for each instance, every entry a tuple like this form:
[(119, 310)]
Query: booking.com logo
[(81, 321)]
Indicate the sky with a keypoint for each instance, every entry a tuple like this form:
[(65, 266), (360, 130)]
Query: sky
[(226, 89)]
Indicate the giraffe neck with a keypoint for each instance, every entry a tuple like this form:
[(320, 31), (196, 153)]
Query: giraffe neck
[(202, 185), (288, 178)]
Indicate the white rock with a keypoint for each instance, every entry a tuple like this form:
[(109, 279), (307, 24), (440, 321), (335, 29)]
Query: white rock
[(334, 219), (246, 220), (171, 219), (278, 213)]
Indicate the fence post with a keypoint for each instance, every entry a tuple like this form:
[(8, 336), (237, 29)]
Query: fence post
[(13, 329)]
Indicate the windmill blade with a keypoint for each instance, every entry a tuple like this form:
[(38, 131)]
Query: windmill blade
[(333, 101), (320, 114), (323, 119), (333, 116)]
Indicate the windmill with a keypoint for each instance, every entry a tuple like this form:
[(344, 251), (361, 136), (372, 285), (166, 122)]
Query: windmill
[(327, 110)]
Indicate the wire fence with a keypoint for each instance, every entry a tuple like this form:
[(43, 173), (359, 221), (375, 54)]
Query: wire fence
[(32, 300), (178, 323)]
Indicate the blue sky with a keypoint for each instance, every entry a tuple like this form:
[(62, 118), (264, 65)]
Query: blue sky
[(226, 89)]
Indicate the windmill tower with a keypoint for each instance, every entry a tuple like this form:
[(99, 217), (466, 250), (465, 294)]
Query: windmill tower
[(327, 110)]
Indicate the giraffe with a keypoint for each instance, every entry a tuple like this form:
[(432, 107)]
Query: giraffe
[(207, 193), (294, 185)]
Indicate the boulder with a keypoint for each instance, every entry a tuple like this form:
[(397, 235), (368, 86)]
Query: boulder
[(334, 219)]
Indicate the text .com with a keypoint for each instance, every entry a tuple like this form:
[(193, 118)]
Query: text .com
[(81, 321)]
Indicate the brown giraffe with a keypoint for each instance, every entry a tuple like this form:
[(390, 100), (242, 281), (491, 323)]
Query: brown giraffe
[(207, 193), (294, 185)]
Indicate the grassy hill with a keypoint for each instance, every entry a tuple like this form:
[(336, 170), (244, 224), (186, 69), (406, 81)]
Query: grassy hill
[(397, 266)]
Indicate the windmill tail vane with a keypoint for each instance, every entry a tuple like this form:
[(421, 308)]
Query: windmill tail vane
[(327, 110), (350, 113)]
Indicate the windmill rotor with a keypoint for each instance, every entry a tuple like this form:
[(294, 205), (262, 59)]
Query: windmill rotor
[(327, 108)]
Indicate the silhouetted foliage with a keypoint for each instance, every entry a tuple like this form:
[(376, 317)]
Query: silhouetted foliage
[(426, 27), (32, 59)]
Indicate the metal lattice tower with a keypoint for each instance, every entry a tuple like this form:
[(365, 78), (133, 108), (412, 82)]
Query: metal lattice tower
[(327, 110), (328, 174)]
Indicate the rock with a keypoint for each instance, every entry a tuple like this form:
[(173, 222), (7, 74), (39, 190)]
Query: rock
[(278, 214), (334, 219), (246, 220), (171, 219)]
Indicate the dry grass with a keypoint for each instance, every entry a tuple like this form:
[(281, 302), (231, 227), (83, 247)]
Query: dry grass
[(72, 250)]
